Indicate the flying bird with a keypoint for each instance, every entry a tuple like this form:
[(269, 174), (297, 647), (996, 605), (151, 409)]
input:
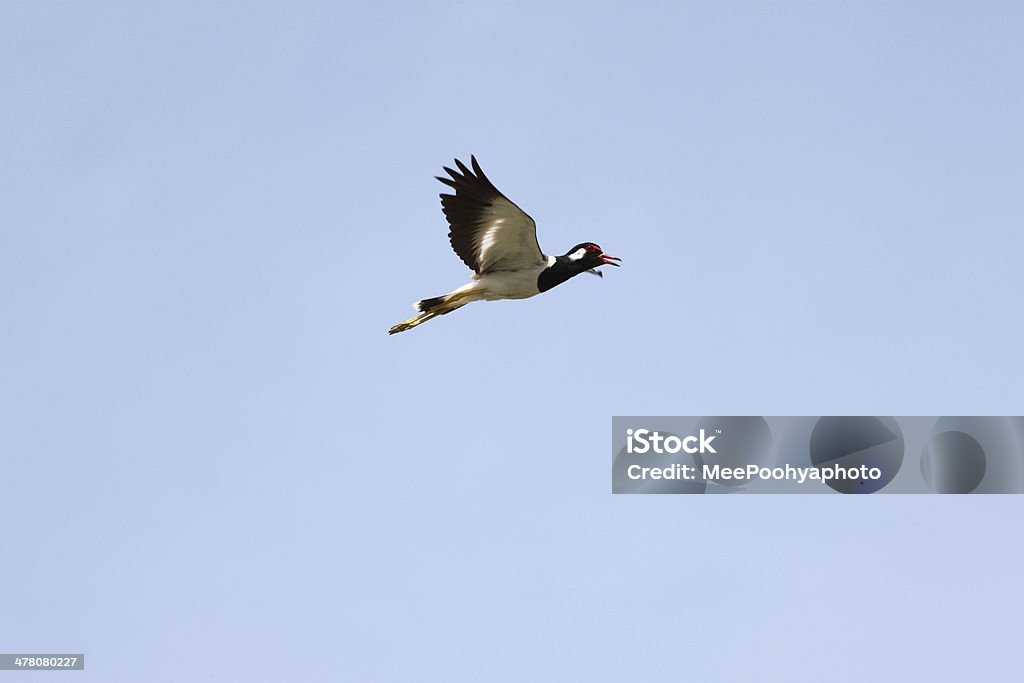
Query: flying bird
[(498, 241)]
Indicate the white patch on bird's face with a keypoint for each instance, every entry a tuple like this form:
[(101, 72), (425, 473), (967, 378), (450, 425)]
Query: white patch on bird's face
[(578, 254)]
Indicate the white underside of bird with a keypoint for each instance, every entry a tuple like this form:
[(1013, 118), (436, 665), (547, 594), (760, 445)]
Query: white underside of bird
[(494, 286)]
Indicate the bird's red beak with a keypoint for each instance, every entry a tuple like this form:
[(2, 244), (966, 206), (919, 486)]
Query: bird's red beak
[(610, 260)]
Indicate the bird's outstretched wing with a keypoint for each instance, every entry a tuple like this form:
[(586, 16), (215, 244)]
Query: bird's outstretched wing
[(488, 232)]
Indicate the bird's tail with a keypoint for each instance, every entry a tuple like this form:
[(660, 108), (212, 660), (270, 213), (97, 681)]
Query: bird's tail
[(428, 310), (428, 305)]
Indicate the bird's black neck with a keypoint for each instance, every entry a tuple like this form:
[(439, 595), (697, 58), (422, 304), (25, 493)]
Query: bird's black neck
[(558, 272)]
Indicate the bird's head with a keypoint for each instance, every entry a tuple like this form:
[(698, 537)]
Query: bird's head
[(588, 256)]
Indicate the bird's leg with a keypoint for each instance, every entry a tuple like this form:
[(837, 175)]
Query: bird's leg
[(413, 322)]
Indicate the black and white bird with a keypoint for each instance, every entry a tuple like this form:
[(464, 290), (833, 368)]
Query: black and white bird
[(498, 241)]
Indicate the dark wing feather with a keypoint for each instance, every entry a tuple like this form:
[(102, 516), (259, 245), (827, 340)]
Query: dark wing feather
[(488, 232)]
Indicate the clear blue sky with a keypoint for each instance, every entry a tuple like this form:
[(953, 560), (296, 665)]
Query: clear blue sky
[(218, 466)]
